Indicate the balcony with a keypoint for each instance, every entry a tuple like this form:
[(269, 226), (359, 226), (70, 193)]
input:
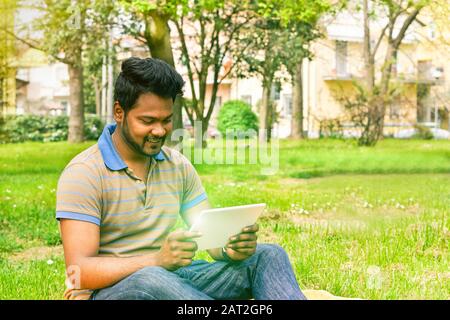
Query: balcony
[(341, 76), (433, 77)]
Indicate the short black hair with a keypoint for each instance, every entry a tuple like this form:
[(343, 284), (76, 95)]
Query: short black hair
[(139, 76)]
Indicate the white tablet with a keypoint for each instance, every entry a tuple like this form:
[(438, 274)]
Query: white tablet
[(217, 226)]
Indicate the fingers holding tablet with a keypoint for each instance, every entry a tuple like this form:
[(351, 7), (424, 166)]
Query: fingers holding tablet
[(251, 229), (243, 237), (247, 234), (182, 235), (243, 245), (178, 250)]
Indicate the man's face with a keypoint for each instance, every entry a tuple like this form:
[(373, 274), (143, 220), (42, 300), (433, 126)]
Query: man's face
[(145, 127)]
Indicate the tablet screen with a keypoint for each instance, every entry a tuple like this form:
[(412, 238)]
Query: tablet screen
[(218, 225)]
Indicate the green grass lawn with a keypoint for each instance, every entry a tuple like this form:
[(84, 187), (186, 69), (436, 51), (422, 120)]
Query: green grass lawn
[(359, 222)]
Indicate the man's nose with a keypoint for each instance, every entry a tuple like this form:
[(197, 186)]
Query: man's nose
[(158, 131)]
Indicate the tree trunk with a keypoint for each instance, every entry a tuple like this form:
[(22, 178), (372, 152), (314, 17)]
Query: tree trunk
[(384, 88), (297, 102), (264, 112), (370, 130), (76, 118), (158, 41), (98, 96), (390, 59), (205, 125), (369, 60)]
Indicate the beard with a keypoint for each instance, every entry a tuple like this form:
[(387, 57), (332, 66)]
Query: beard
[(150, 146)]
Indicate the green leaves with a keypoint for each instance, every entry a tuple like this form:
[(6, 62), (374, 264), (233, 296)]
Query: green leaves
[(172, 8), (7, 48), (143, 5), (237, 115), (289, 11), (38, 128), (71, 27)]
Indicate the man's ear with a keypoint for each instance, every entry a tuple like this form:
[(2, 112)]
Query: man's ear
[(119, 113)]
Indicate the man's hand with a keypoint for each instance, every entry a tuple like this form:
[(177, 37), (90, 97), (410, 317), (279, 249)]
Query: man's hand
[(243, 245), (177, 250)]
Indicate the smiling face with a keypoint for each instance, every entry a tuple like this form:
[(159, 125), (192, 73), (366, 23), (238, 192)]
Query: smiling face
[(145, 127)]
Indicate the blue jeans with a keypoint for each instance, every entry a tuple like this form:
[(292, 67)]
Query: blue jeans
[(266, 275)]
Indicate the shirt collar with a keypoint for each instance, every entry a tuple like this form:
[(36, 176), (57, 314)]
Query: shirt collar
[(109, 153)]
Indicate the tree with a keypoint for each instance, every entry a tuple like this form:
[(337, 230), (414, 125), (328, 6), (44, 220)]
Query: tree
[(376, 93), (302, 34), (302, 18), (93, 79), (264, 58), (7, 48), (209, 34), (72, 29), (149, 23), (284, 31)]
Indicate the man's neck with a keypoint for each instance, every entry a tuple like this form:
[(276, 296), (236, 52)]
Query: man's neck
[(125, 151)]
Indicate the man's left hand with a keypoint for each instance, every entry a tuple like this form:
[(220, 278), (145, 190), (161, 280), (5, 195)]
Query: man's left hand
[(243, 245)]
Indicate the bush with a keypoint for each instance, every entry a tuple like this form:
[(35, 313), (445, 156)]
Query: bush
[(331, 128), (15, 129), (237, 115), (3, 133), (93, 127), (422, 132)]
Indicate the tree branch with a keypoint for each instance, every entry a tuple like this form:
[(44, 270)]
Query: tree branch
[(398, 39), (377, 45), (185, 53), (35, 46)]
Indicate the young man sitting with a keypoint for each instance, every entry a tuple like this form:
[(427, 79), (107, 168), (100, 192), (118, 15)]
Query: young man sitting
[(118, 200)]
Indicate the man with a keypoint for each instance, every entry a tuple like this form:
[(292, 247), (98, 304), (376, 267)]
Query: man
[(118, 200)]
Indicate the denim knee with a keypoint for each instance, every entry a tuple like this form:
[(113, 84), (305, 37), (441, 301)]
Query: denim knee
[(149, 280), (271, 251)]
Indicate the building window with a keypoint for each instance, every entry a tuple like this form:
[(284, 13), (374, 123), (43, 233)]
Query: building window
[(287, 104), (64, 104), (341, 58), (247, 99), (276, 89), (394, 108), (424, 69), (218, 102), (61, 73)]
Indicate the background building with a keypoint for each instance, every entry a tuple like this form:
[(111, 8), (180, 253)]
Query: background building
[(44, 88), (421, 73)]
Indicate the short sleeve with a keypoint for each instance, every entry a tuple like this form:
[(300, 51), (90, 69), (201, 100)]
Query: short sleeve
[(78, 195), (194, 195)]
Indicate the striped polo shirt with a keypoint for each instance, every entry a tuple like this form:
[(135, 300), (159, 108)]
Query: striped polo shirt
[(134, 216)]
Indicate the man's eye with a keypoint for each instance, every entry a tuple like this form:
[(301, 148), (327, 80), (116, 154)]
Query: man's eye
[(168, 120), (147, 121)]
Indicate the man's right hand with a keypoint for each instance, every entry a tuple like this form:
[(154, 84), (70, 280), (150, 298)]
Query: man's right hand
[(177, 250)]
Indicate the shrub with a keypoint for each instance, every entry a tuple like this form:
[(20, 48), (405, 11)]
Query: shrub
[(56, 128), (237, 115), (93, 127), (422, 132), (331, 128), (3, 133), (15, 129)]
